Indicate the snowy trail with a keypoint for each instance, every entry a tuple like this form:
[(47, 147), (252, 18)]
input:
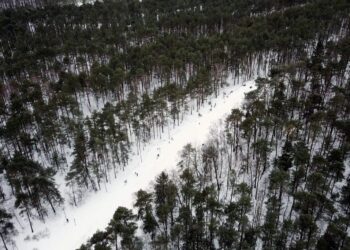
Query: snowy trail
[(98, 208)]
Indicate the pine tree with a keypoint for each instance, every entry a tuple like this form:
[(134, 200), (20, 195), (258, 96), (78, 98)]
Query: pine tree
[(144, 204), (124, 226), (6, 228), (165, 201), (79, 172), (33, 186)]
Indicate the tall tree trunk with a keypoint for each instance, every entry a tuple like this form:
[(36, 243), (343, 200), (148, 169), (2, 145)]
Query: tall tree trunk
[(3, 241), (49, 200), (30, 222)]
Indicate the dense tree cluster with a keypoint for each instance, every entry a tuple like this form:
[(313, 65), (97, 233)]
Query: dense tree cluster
[(80, 85), (14, 4), (274, 176)]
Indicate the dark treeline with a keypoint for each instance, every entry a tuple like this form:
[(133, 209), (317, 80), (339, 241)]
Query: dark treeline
[(14, 4), (275, 175), (80, 85)]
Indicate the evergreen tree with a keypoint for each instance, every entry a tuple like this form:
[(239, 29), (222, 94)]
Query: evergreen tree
[(124, 226), (6, 228)]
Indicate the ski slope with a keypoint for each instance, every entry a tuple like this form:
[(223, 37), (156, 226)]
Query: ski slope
[(158, 155)]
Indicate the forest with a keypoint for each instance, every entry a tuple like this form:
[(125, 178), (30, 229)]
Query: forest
[(274, 176), (81, 85)]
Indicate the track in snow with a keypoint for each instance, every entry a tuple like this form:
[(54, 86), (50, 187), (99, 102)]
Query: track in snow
[(98, 208)]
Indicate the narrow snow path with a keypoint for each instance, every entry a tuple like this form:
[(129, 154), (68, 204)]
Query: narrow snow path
[(98, 208)]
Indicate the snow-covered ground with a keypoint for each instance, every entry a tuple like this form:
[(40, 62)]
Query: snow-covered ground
[(98, 208)]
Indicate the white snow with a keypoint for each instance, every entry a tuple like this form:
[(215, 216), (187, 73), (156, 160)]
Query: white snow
[(81, 2), (98, 208)]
